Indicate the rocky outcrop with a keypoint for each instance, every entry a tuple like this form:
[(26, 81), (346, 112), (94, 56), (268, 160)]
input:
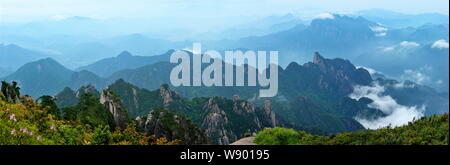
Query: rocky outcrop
[(167, 95), (269, 115), (162, 123), (114, 105), (10, 92), (228, 120), (216, 122)]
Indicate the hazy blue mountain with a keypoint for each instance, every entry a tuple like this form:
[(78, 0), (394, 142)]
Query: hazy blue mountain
[(399, 20), (4, 72), (364, 42), (84, 78), (124, 60), (260, 27), (12, 56), (142, 45), (334, 37), (42, 77), (47, 77)]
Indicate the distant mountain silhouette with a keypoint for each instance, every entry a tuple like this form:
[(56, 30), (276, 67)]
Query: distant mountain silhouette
[(124, 60)]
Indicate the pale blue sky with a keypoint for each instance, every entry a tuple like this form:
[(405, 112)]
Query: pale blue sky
[(29, 10)]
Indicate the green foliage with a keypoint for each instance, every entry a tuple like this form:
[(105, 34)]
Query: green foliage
[(30, 123), (49, 103), (101, 136), (89, 111), (278, 136), (432, 130)]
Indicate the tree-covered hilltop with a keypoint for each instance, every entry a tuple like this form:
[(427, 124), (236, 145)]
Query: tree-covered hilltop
[(433, 130)]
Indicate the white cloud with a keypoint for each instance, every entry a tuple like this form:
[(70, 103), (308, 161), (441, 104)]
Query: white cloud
[(370, 70), (387, 49), (416, 76), (325, 16), (378, 29), (381, 34), (409, 44), (397, 115), (440, 44), (404, 45), (403, 85), (419, 75)]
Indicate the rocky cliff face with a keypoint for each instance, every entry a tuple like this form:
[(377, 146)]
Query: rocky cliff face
[(228, 120), (114, 105), (162, 123), (167, 95), (215, 123), (268, 114)]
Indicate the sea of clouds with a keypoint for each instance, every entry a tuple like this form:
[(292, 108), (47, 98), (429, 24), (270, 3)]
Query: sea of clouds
[(396, 114)]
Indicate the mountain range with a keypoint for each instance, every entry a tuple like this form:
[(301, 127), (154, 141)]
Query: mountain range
[(314, 94), (422, 48)]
